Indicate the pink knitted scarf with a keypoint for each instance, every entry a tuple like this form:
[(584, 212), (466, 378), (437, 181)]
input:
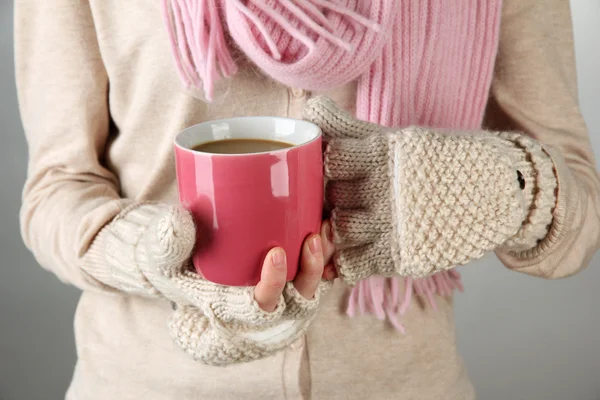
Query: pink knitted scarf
[(417, 62)]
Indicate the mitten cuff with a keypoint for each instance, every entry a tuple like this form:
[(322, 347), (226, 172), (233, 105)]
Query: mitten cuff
[(298, 306), (193, 333), (538, 182), (359, 262), (217, 344), (113, 257), (237, 305)]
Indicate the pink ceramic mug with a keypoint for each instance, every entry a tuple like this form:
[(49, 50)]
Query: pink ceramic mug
[(246, 204)]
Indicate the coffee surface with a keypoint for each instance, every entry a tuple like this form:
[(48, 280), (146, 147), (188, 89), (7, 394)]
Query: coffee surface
[(241, 146)]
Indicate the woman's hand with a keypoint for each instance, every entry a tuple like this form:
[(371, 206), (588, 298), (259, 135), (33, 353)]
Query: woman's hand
[(315, 264), (220, 324), (417, 201)]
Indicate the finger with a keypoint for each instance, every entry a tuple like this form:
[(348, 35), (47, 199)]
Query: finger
[(311, 267), (355, 227), (327, 242), (347, 159), (330, 272), (335, 122), (272, 280), (361, 193), (171, 237)]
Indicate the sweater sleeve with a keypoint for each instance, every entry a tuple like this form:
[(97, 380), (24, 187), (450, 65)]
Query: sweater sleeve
[(534, 91), (62, 86)]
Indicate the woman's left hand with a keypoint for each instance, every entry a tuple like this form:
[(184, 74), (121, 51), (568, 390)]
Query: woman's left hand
[(416, 201)]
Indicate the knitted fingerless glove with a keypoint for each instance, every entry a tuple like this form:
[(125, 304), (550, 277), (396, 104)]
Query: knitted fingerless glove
[(227, 326), (416, 201), (146, 250), (119, 257)]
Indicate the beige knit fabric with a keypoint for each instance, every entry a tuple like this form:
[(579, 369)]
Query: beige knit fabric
[(122, 246), (536, 169), (231, 328), (83, 171), (111, 258), (417, 201), (147, 249)]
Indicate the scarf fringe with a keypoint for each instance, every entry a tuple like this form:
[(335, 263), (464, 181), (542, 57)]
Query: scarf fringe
[(405, 53), (380, 296), (197, 38), (198, 43)]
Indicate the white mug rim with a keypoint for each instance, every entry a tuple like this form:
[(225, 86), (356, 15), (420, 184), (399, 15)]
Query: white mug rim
[(314, 133)]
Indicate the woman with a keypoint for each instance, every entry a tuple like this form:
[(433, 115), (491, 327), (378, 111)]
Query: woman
[(101, 102)]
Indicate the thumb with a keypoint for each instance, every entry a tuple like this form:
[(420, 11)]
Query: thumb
[(335, 122), (170, 240)]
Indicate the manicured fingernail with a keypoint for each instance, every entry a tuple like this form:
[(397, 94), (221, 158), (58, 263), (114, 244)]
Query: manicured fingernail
[(314, 245), (278, 258)]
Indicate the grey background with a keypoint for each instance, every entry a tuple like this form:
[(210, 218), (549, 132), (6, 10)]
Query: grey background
[(521, 337)]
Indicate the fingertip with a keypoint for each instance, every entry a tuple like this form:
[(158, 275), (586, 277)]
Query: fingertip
[(311, 267), (326, 230), (272, 279), (312, 254), (171, 235), (327, 240), (314, 245), (277, 258), (330, 273), (274, 271)]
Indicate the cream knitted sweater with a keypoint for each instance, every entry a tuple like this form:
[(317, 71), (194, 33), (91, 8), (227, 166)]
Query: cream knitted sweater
[(100, 119)]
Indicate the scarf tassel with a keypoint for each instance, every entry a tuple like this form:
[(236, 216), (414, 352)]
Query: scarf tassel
[(380, 296), (198, 44), (197, 41)]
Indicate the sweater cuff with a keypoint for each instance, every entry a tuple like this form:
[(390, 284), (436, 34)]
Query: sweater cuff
[(538, 182), (566, 215), (113, 256)]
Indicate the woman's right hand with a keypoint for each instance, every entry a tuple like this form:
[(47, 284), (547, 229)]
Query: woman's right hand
[(219, 324)]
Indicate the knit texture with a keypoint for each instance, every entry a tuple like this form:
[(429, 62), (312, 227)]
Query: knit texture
[(446, 49), (540, 182), (414, 202), (313, 43), (119, 259), (227, 326), (80, 177), (147, 248), (319, 45)]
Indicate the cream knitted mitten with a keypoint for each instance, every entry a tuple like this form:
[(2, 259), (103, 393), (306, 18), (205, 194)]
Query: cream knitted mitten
[(147, 248), (416, 201)]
